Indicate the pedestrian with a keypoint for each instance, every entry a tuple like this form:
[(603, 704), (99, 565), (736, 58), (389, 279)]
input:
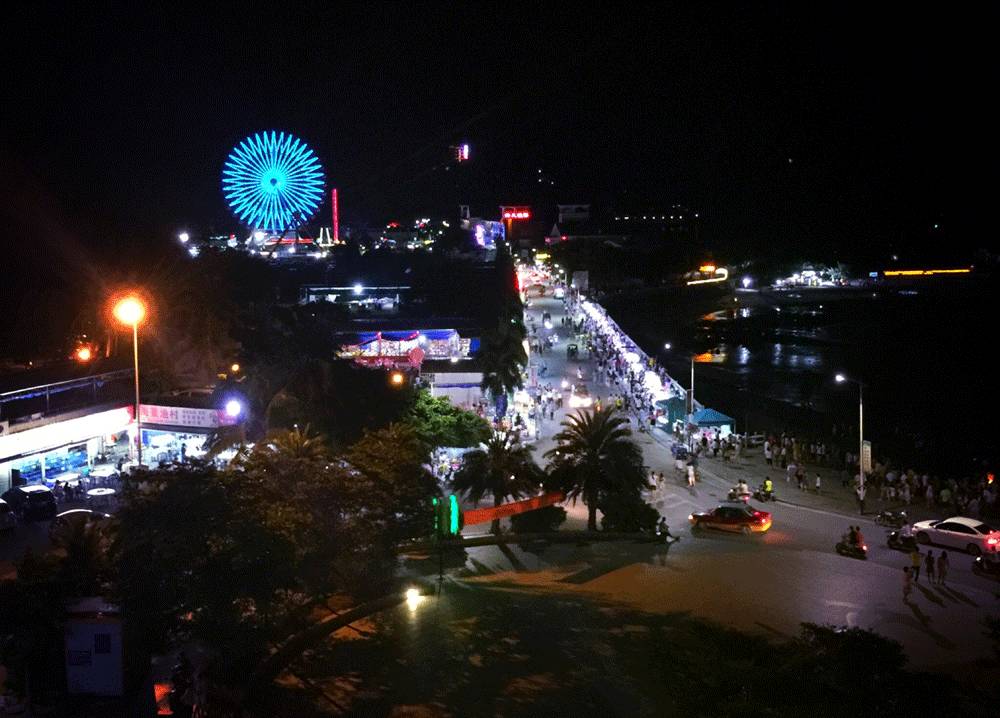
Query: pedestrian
[(690, 471), (861, 498), (659, 479), (818, 483), (768, 458), (915, 564), (942, 567), (929, 566), (907, 583)]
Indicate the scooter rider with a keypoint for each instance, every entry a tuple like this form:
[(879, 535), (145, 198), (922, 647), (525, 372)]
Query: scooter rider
[(742, 488), (768, 486)]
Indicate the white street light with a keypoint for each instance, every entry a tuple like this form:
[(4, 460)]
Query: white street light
[(667, 346), (184, 236), (233, 408), (841, 378)]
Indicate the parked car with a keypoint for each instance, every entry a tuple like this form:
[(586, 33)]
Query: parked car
[(68, 518), (734, 517), (8, 520), (31, 502), (959, 532)]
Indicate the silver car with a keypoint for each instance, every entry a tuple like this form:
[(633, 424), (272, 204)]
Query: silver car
[(959, 532)]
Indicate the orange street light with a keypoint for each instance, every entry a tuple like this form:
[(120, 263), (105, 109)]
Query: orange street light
[(396, 378), (235, 368), (84, 354), (131, 310)]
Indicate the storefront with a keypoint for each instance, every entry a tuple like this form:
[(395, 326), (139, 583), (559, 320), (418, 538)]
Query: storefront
[(175, 433), (45, 452)]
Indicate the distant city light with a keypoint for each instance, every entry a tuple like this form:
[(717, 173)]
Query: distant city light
[(184, 236), (840, 378), (234, 368), (84, 354), (233, 408), (666, 346), (358, 289), (747, 282)]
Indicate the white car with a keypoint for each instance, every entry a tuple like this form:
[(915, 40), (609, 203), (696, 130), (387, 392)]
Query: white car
[(959, 532)]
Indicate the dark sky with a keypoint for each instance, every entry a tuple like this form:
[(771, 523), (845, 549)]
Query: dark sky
[(116, 126)]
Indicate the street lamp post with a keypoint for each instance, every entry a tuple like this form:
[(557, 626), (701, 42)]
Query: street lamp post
[(861, 426), (130, 311)]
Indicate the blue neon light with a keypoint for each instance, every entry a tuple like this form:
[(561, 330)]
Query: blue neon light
[(272, 180)]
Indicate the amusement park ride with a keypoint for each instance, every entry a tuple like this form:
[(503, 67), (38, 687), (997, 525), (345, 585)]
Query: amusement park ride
[(274, 183)]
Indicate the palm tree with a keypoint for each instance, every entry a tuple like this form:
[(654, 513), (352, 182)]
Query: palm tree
[(502, 469), (503, 357), (595, 456)]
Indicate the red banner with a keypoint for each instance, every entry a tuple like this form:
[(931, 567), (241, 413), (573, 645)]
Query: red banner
[(479, 516)]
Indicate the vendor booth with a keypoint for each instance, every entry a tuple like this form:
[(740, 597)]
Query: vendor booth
[(708, 422)]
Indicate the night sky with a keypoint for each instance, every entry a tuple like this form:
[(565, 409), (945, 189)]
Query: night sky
[(787, 127)]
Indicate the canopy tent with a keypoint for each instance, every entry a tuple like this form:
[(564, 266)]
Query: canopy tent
[(675, 408), (710, 417)]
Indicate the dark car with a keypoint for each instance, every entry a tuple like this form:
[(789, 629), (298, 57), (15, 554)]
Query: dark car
[(68, 520), (31, 502), (736, 517), (8, 520)]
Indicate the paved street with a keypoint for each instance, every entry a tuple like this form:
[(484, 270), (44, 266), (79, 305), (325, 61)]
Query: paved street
[(769, 583)]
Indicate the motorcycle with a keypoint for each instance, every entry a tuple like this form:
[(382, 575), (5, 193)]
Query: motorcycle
[(735, 494), (895, 519), (852, 550), (986, 566), (899, 541), (762, 495)]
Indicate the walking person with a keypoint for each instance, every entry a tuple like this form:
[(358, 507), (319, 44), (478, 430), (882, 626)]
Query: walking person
[(929, 566), (861, 498), (907, 583), (942, 567), (915, 564), (818, 484)]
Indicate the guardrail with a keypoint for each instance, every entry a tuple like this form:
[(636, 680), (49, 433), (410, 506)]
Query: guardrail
[(94, 382)]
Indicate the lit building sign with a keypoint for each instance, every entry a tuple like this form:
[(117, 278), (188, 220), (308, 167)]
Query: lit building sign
[(511, 213), (185, 416), (923, 272)]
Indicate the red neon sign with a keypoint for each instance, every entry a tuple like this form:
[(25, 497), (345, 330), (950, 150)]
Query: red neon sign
[(517, 214)]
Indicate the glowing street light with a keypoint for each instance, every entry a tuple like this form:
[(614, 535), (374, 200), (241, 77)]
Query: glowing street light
[(841, 378), (358, 289), (667, 346), (183, 236), (396, 378), (84, 354), (233, 408), (235, 368), (130, 311)]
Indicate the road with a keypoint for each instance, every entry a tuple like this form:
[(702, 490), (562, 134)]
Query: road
[(770, 583)]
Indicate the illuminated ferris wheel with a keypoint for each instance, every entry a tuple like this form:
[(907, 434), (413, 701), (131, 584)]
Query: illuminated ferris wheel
[(273, 182)]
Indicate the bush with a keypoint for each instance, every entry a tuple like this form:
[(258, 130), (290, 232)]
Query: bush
[(627, 513), (549, 518)]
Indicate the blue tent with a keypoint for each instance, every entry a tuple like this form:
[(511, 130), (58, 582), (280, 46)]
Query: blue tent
[(710, 417)]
